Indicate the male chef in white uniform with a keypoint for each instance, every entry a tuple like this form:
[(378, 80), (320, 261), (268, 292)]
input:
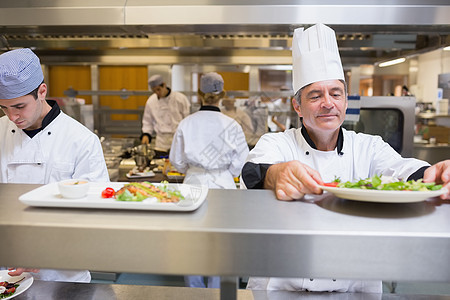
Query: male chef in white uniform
[(38, 142), (295, 162), (163, 112)]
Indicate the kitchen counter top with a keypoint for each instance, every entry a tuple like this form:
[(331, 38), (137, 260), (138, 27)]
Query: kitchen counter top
[(235, 233), (74, 291)]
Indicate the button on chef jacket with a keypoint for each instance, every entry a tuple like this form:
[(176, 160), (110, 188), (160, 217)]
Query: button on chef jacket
[(210, 148), (162, 116), (357, 156)]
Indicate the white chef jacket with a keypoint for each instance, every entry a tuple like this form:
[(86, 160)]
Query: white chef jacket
[(210, 148), (362, 156), (243, 119), (64, 149), (162, 116)]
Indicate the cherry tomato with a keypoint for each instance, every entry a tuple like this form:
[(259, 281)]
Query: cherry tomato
[(331, 184), (108, 193), (11, 290)]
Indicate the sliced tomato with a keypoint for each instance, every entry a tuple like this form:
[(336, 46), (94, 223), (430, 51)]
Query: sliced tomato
[(108, 193), (331, 184)]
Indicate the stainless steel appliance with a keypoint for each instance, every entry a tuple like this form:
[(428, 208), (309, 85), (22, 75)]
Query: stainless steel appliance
[(392, 118)]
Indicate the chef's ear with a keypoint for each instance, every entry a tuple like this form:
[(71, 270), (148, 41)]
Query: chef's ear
[(296, 105), (42, 91)]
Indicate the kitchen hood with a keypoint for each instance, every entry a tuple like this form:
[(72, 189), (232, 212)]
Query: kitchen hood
[(251, 32)]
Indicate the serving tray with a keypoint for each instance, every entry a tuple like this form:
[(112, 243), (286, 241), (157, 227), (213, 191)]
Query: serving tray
[(48, 196)]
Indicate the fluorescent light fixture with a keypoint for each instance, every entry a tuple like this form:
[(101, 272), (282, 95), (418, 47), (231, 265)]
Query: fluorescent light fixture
[(392, 62), (447, 48)]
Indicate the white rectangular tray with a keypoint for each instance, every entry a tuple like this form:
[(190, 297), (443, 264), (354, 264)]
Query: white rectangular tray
[(48, 196)]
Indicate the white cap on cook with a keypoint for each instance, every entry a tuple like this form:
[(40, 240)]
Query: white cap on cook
[(315, 56), (155, 81), (211, 83)]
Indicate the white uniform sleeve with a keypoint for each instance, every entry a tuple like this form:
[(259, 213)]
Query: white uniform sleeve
[(177, 154), (147, 119), (240, 154), (90, 163), (185, 106), (388, 162)]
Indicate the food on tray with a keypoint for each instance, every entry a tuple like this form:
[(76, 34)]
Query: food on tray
[(386, 183), (8, 289), (138, 191)]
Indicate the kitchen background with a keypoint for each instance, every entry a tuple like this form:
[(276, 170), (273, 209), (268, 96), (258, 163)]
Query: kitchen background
[(97, 56)]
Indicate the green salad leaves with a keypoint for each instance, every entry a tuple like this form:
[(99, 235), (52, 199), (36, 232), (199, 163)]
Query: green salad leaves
[(381, 183)]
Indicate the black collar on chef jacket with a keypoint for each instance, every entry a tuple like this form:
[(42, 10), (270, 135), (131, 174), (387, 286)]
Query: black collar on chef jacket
[(339, 145), (52, 114), (210, 107)]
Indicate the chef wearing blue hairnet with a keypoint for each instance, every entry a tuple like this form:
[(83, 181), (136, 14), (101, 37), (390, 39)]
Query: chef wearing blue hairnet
[(38, 142), (210, 148)]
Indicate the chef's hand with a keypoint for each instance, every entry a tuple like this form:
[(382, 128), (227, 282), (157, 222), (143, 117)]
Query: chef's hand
[(439, 173), (19, 271), (145, 140), (292, 180)]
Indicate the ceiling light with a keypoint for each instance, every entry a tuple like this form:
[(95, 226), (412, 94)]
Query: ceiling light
[(447, 48), (392, 62)]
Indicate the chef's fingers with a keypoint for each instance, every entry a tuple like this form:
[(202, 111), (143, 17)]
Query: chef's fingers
[(19, 271), (446, 196), (439, 173), (288, 193)]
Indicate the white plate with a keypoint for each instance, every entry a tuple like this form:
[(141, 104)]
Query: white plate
[(382, 196), (141, 174), (49, 196), (23, 285)]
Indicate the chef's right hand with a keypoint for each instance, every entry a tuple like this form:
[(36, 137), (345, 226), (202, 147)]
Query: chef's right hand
[(19, 271), (145, 139), (292, 180)]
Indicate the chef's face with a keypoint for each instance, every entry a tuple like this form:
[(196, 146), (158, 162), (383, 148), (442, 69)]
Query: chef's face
[(160, 90), (322, 105), (26, 111)]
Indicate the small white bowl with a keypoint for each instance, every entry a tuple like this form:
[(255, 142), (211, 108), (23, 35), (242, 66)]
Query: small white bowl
[(73, 188)]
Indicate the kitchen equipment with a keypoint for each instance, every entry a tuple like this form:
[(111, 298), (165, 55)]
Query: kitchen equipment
[(142, 155), (392, 118)]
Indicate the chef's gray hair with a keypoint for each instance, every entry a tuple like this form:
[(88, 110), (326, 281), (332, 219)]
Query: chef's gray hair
[(298, 95)]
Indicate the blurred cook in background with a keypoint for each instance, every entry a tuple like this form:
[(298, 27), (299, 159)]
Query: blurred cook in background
[(38, 142), (281, 111), (163, 112), (210, 148), (240, 116)]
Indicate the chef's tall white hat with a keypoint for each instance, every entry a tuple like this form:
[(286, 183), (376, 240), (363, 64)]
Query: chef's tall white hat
[(20, 73), (315, 56)]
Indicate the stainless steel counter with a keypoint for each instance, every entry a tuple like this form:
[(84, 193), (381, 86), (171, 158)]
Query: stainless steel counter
[(75, 291), (235, 233)]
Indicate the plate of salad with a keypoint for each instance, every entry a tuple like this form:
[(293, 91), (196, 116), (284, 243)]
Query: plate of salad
[(384, 189), (12, 286), (123, 195)]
